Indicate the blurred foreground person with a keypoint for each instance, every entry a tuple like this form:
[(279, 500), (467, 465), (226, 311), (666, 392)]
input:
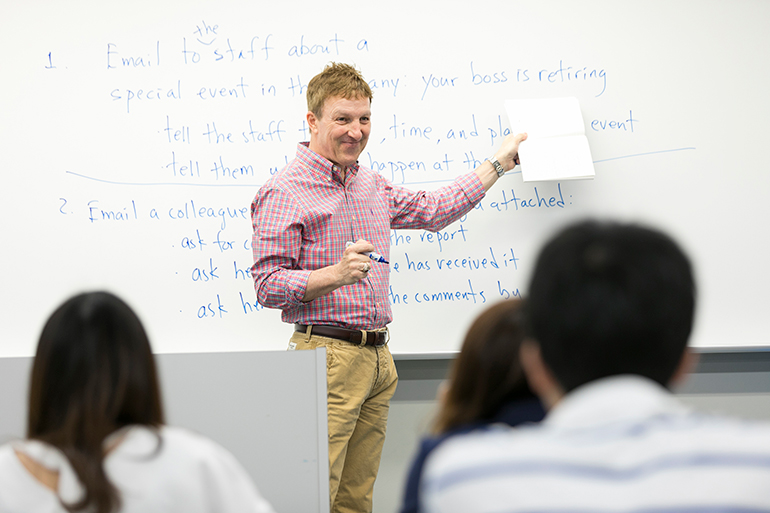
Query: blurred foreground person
[(96, 441), (486, 386), (609, 313)]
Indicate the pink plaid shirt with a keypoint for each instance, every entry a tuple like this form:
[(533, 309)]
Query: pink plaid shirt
[(303, 217)]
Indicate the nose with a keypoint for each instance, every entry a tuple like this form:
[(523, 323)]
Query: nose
[(355, 131)]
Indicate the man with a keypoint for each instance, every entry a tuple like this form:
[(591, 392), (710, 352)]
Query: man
[(610, 309), (315, 224)]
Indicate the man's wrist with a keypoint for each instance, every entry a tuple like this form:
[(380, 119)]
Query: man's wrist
[(499, 169)]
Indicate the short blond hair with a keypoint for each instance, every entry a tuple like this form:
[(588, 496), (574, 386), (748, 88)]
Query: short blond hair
[(336, 80)]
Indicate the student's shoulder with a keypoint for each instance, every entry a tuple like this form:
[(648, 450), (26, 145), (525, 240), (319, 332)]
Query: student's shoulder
[(19, 491), (190, 442), (487, 444), (727, 431), (168, 443), (5, 451), (7, 460)]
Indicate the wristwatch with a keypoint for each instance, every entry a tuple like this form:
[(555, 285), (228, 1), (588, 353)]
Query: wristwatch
[(498, 167)]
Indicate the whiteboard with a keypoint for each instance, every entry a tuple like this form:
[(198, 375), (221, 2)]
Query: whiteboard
[(135, 135)]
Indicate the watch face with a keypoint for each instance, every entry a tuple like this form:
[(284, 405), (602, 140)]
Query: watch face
[(498, 167)]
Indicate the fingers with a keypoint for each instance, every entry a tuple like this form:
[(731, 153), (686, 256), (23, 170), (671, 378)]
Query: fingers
[(514, 150), (360, 246), (353, 271), (358, 259), (519, 138), (358, 270), (355, 264), (510, 151)]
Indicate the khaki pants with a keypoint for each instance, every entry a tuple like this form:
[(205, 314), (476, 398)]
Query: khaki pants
[(361, 380)]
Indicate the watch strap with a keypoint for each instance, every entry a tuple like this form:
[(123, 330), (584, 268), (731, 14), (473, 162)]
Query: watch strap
[(498, 167)]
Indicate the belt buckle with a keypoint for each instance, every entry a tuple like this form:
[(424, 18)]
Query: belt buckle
[(387, 335), (378, 332)]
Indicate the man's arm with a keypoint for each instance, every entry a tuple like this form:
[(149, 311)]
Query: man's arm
[(507, 155), (277, 244), (434, 210)]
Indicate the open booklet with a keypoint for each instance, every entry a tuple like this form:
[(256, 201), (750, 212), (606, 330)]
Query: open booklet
[(556, 147)]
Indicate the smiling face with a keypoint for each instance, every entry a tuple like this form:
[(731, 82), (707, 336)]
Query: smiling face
[(341, 132)]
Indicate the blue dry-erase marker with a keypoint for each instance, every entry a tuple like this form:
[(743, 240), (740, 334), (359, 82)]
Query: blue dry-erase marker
[(374, 256), (377, 257)]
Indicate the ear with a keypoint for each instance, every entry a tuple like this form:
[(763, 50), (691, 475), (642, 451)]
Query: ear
[(684, 369), (539, 376), (312, 122)]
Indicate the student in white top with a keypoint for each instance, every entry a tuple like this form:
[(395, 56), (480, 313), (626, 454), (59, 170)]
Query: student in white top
[(610, 309), (96, 441)]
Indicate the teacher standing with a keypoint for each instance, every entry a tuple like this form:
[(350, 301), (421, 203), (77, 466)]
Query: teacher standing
[(304, 220)]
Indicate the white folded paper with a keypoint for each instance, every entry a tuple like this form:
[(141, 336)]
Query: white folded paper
[(556, 147)]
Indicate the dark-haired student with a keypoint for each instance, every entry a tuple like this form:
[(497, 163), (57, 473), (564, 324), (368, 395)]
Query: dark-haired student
[(486, 386), (609, 312), (96, 439)]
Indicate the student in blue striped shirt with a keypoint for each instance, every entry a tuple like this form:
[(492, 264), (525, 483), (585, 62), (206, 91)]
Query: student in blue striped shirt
[(610, 310)]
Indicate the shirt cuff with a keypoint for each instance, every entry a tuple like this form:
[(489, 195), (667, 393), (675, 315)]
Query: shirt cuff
[(472, 187), (296, 285)]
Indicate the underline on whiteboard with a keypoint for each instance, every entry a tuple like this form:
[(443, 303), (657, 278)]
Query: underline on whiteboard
[(449, 180), (595, 162), (643, 154), (114, 182)]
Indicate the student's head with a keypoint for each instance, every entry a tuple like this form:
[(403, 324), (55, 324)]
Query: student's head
[(93, 373), (608, 298), (339, 113), (486, 374), (94, 368)]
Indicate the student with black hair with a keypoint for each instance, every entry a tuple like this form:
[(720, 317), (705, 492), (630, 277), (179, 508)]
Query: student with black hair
[(609, 310), (96, 438)]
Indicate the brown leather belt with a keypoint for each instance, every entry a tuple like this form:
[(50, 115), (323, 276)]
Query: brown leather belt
[(373, 338)]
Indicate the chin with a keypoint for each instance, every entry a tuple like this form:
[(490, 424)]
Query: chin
[(349, 160)]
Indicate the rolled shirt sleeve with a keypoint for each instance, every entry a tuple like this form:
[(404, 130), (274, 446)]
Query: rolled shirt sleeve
[(277, 244)]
